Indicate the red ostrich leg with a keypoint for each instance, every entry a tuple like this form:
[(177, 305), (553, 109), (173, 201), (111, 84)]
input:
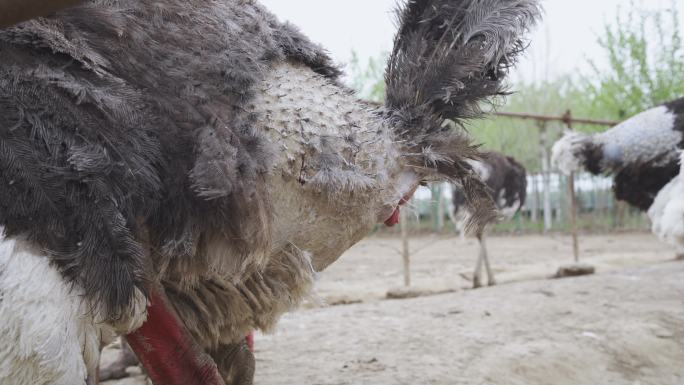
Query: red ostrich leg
[(167, 352), (160, 343), (250, 341)]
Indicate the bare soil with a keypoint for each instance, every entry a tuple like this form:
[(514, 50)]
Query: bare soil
[(623, 325)]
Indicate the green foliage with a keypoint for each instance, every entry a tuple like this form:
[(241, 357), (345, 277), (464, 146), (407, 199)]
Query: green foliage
[(644, 68), (520, 138), (645, 63), (368, 80)]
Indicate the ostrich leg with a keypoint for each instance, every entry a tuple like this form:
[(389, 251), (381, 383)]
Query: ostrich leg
[(168, 354), (228, 369), (490, 275), (483, 257), (235, 363), (478, 266)]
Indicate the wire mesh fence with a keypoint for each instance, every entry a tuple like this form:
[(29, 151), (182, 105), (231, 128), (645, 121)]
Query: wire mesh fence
[(598, 210)]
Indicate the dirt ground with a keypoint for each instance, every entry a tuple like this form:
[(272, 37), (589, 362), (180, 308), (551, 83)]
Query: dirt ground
[(624, 325)]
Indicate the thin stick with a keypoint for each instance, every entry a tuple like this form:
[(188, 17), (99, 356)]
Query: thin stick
[(405, 253), (573, 201), (573, 216)]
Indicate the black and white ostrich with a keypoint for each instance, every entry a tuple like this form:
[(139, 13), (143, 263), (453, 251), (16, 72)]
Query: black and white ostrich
[(177, 171), (506, 182), (643, 154)]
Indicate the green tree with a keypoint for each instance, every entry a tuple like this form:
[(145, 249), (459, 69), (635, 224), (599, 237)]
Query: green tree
[(645, 63), (645, 67), (368, 80), (520, 138)]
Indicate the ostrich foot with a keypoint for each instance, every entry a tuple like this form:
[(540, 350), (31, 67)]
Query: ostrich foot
[(117, 369), (491, 282), (679, 257), (236, 363), (476, 283)]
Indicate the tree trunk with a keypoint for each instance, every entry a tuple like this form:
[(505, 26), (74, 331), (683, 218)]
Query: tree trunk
[(534, 206)]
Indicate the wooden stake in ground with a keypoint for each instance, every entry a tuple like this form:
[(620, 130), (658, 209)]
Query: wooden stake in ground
[(573, 200), (577, 269), (573, 216), (546, 177), (405, 252)]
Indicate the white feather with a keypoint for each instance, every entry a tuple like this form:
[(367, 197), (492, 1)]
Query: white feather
[(641, 138), (482, 169), (667, 211), (566, 152), (47, 335), (647, 137)]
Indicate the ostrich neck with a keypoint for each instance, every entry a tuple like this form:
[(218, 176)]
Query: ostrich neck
[(337, 174)]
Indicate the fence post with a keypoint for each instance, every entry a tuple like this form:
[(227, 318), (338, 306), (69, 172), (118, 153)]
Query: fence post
[(546, 177), (573, 216), (573, 200), (405, 252)]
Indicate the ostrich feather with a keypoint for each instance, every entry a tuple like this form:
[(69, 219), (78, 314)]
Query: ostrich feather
[(449, 57), (667, 211), (506, 181), (641, 152), (207, 149), (113, 111)]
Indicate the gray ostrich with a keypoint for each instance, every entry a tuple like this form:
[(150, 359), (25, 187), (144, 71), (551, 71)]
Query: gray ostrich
[(506, 181), (176, 172)]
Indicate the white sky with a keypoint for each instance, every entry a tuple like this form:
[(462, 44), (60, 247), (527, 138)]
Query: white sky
[(561, 44)]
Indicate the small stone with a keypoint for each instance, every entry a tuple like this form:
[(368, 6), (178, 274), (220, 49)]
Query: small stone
[(663, 333)]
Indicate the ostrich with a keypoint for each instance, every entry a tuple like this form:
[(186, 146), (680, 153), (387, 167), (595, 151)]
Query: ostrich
[(506, 181), (644, 155), (176, 172)]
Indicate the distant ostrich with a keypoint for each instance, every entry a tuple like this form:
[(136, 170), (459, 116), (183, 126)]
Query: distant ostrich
[(506, 181), (644, 154), (177, 171)]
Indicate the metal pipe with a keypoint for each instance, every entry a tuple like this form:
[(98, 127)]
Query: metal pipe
[(567, 119)]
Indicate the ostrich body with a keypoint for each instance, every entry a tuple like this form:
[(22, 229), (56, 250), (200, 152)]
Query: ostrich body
[(667, 212), (643, 155), (176, 172), (506, 181)]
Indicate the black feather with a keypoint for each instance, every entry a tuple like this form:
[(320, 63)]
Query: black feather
[(449, 57), (113, 115)]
